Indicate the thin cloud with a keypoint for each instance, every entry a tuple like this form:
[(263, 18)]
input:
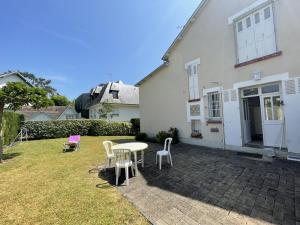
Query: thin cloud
[(64, 37), (57, 78), (56, 34)]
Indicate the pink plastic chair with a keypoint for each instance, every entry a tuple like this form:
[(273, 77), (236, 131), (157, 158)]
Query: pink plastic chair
[(73, 142)]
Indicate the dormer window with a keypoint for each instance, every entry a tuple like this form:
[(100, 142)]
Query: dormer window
[(115, 94), (255, 34)]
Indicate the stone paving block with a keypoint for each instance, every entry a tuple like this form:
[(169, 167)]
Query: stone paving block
[(204, 178)]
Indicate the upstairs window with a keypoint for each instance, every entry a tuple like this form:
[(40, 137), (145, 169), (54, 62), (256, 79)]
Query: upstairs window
[(256, 35), (192, 71), (115, 94)]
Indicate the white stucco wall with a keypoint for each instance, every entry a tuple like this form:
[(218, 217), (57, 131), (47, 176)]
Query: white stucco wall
[(11, 78), (125, 112), (69, 112)]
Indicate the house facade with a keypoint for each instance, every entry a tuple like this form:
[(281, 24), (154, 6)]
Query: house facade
[(49, 113), (12, 77), (231, 79), (114, 101)]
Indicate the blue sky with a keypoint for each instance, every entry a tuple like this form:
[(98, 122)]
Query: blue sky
[(79, 44)]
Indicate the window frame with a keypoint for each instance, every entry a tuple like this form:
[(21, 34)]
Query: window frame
[(210, 106), (252, 13), (189, 67)]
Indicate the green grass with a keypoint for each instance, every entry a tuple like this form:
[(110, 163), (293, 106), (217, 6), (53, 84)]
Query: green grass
[(41, 185)]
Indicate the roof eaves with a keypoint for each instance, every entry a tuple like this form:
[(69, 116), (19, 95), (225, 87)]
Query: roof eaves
[(186, 26)]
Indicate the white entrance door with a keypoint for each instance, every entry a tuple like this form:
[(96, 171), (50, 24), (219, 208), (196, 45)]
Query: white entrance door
[(272, 119), (247, 122), (232, 119)]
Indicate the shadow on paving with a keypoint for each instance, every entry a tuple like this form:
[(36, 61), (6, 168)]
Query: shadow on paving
[(251, 187)]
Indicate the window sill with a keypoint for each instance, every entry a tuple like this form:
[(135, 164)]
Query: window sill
[(195, 100), (214, 122), (279, 53)]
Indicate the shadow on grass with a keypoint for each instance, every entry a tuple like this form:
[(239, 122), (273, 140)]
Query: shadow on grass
[(109, 176), (9, 156)]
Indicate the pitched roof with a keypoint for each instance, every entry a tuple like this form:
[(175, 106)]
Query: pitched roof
[(179, 37), (16, 74), (184, 29), (127, 94), (54, 112)]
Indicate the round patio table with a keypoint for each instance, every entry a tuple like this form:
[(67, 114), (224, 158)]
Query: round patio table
[(134, 147)]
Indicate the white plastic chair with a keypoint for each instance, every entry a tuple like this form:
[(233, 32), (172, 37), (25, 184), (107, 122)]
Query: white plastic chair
[(109, 153), (165, 152), (123, 160)]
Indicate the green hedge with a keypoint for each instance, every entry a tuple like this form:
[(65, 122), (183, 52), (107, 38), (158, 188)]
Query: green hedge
[(11, 126), (65, 128)]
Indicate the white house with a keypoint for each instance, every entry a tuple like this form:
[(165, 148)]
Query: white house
[(123, 100), (231, 79), (12, 77), (49, 113)]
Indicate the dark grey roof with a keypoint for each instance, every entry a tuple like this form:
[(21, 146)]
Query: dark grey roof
[(127, 94)]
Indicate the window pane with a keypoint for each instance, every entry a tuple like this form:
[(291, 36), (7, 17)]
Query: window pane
[(270, 88), (196, 126), (214, 105), (248, 22), (268, 108), (250, 91), (277, 108), (195, 110), (240, 26), (257, 18), (267, 12)]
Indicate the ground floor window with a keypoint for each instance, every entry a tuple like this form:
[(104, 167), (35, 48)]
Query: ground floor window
[(273, 108), (214, 106)]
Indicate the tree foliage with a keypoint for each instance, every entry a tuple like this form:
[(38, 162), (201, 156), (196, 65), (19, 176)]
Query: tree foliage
[(17, 94), (105, 111), (60, 100), (38, 82)]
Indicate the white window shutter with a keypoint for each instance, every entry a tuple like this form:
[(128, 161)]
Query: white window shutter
[(196, 84), (241, 42), (269, 31), (259, 33), (191, 82)]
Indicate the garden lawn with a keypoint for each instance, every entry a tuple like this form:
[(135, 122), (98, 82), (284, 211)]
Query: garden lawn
[(41, 185)]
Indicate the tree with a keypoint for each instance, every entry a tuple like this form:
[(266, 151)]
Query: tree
[(15, 95), (60, 100), (105, 110), (38, 82)]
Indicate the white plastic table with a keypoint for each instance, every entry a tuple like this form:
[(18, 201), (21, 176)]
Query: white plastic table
[(134, 147)]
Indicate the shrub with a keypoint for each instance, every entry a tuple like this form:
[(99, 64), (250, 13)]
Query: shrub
[(162, 135), (106, 128), (174, 134), (11, 126), (65, 128), (141, 137), (135, 125)]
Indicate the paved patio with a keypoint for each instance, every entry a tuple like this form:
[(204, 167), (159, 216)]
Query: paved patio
[(208, 186)]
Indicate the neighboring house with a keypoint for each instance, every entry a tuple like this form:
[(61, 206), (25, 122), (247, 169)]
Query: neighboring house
[(237, 64), (12, 77), (49, 113), (121, 99)]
